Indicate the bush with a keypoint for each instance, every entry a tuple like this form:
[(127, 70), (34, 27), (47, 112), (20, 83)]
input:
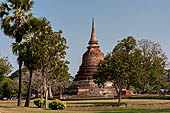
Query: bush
[(39, 102), (57, 105)]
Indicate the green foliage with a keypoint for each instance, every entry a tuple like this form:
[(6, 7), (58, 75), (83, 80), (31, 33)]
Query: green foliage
[(153, 66), (15, 74), (13, 16), (39, 102), (57, 105), (49, 50), (62, 79), (14, 78), (140, 66), (43, 49), (5, 67), (167, 80), (119, 66), (5, 83), (6, 88)]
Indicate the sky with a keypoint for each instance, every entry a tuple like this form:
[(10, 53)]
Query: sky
[(114, 20)]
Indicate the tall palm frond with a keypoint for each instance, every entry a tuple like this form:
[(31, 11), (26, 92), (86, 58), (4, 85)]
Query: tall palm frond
[(13, 17), (18, 48), (4, 9)]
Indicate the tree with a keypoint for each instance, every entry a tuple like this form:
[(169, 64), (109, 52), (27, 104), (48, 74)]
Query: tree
[(37, 82), (153, 66), (53, 55), (140, 65), (6, 88), (42, 48), (5, 67), (132, 58), (14, 77), (28, 49), (13, 15), (30, 61), (16, 73), (62, 79), (120, 66)]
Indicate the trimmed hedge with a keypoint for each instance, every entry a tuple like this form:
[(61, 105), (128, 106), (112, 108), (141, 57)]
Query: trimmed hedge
[(39, 102), (57, 105)]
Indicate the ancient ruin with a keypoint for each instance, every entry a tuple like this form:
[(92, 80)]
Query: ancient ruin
[(83, 85)]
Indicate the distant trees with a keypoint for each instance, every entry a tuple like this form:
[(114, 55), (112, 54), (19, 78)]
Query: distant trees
[(14, 77), (5, 67), (6, 89), (166, 81), (131, 65)]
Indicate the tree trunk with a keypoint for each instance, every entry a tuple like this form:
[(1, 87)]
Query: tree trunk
[(50, 92), (20, 81), (29, 90), (119, 93), (128, 86), (46, 93), (119, 98), (41, 93), (60, 93)]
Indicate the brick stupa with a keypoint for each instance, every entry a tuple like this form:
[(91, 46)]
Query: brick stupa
[(83, 85)]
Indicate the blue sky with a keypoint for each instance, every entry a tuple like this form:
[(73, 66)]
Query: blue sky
[(114, 20)]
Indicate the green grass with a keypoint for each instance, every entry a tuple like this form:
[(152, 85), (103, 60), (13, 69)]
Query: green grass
[(167, 97), (137, 110), (128, 101), (134, 106)]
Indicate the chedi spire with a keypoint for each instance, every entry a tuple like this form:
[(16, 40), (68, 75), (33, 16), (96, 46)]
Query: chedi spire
[(93, 41)]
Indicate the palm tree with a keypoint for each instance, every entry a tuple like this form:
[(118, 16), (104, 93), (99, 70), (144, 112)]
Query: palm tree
[(13, 15), (32, 45), (27, 49), (31, 62)]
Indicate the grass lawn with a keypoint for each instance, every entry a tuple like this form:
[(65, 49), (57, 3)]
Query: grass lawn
[(133, 106)]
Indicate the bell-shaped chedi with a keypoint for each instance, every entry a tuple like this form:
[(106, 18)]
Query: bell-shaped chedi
[(83, 85), (90, 60)]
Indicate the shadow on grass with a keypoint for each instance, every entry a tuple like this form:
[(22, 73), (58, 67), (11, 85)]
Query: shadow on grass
[(91, 103), (86, 103), (138, 111), (7, 106), (34, 107)]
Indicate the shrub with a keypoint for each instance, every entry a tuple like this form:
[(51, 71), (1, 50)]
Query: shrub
[(39, 102), (57, 105)]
